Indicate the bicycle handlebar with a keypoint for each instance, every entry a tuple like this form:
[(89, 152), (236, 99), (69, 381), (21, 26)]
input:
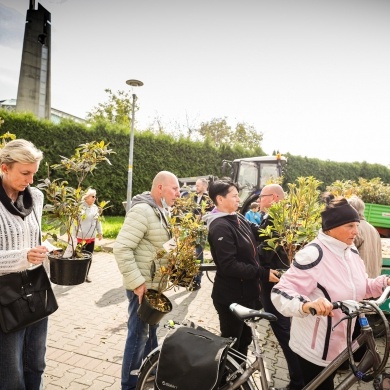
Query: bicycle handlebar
[(350, 306), (336, 305)]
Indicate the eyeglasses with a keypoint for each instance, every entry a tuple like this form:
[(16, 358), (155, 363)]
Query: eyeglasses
[(262, 196), (92, 196)]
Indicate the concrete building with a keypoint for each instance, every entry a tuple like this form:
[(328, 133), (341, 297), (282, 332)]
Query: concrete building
[(55, 115), (34, 79)]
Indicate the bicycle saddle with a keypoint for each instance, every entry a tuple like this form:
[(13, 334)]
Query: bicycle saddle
[(243, 313)]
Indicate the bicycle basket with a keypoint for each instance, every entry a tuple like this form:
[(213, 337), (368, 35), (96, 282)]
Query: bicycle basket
[(191, 359)]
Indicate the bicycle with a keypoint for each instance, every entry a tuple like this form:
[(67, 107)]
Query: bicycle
[(241, 376)]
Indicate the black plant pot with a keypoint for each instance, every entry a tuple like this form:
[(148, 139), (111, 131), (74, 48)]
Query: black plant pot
[(150, 313), (69, 272)]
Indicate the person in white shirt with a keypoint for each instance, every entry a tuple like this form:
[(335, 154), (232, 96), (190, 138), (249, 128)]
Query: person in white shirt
[(90, 225)]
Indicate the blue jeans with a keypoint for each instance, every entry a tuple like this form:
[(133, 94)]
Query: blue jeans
[(199, 256), (22, 357), (141, 340)]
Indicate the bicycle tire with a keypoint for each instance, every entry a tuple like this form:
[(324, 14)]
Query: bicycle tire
[(148, 368)]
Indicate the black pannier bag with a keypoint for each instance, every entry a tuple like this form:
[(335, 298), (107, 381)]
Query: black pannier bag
[(191, 359)]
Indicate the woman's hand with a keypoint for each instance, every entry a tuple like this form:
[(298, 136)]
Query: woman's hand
[(274, 276), (322, 306), (37, 255)]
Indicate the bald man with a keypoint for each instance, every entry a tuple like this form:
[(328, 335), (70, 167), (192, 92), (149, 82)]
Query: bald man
[(143, 233), (269, 259)]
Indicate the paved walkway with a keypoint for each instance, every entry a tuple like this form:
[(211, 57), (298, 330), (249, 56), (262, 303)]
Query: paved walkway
[(88, 331)]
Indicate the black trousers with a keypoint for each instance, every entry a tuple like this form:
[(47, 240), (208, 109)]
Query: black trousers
[(90, 248), (231, 326), (310, 371), (281, 329)]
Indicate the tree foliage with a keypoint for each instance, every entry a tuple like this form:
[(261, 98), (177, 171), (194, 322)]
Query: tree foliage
[(247, 136), (117, 109), (216, 131), (220, 133)]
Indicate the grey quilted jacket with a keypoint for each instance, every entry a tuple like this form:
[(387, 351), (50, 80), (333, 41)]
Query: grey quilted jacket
[(143, 233)]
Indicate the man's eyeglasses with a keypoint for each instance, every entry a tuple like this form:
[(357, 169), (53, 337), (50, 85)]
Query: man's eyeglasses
[(262, 196)]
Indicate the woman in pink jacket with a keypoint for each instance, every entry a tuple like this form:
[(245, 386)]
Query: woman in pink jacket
[(326, 270)]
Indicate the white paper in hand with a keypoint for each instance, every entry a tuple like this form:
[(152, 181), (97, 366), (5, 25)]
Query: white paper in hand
[(50, 247)]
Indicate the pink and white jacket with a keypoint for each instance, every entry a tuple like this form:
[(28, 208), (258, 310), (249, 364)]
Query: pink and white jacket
[(327, 268)]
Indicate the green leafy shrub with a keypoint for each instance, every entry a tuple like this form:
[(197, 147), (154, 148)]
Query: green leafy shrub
[(296, 218), (370, 191)]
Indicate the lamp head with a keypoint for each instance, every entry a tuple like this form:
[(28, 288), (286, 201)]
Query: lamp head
[(134, 83)]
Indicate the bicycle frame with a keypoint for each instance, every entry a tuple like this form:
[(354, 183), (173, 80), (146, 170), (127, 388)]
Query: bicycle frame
[(257, 365), (371, 358), (371, 361)]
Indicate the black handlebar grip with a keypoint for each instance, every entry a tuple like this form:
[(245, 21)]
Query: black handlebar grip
[(336, 305)]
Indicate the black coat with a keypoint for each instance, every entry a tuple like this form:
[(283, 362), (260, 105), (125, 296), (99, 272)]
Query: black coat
[(233, 246)]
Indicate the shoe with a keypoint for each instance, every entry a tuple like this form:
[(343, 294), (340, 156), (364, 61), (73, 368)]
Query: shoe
[(194, 286), (88, 280)]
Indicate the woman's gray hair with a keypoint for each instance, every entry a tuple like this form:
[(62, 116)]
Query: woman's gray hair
[(357, 204), (21, 151), (89, 192)]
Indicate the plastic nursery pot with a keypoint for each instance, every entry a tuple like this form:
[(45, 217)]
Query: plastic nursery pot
[(153, 307), (68, 271)]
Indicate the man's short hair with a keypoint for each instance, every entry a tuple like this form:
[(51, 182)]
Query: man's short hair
[(203, 181)]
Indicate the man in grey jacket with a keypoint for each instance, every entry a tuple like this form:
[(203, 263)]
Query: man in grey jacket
[(143, 233)]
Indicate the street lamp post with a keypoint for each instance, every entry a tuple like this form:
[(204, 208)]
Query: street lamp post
[(132, 83)]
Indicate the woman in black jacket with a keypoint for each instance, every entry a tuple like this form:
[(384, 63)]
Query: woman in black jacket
[(233, 246)]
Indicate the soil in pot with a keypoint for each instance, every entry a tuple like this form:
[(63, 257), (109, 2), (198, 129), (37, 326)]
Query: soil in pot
[(67, 271), (153, 307)]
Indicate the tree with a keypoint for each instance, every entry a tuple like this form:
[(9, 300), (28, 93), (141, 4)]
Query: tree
[(219, 132), (246, 136), (117, 109), (216, 131)]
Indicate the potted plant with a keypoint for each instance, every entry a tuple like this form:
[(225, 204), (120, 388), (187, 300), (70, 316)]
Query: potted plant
[(296, 218), (176, 265), (63, 211)]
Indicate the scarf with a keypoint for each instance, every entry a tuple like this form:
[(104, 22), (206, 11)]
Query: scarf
[(23, 205)]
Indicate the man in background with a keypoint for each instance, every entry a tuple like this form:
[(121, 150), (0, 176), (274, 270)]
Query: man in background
[(277, 260), (368, 241), (200, 198)]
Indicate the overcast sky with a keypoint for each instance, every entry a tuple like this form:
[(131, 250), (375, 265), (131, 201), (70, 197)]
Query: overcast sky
[(312, 75)]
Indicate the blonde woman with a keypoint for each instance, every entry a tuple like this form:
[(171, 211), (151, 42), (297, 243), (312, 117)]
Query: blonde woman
[(22, 352)]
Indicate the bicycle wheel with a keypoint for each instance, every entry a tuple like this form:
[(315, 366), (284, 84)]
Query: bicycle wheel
[(147, 373)]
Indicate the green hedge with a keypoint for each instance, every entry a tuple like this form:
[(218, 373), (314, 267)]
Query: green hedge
[(153, 153)]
